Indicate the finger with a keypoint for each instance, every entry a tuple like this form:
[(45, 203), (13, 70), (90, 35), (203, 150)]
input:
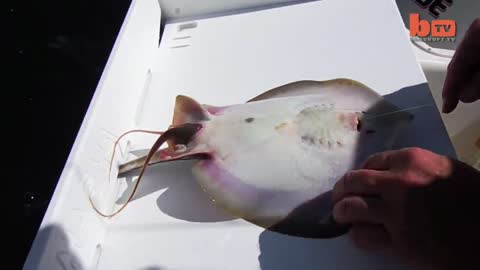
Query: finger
[(452, 87), (464, 62), (370, 237), (466, 53), (356, 209), (471, 93), (378, 161), (360, 182), (450, 102), (394, 159)]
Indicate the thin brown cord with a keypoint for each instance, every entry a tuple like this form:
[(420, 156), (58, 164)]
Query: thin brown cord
[(154, 148), (121, 136)]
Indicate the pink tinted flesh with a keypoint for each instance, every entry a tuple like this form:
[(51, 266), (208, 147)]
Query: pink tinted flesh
[(245, 197), (296, 213)]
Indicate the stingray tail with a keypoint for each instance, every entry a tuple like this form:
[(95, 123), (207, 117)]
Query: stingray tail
[(176, 136)]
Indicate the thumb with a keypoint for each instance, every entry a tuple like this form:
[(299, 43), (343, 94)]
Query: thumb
[(449, 104)]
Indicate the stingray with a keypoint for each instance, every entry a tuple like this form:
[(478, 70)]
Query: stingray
[(274, 159)]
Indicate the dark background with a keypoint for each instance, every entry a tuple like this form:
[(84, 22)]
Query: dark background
[(56, 77)]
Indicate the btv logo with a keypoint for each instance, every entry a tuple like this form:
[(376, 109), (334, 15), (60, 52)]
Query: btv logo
[(437, 30)]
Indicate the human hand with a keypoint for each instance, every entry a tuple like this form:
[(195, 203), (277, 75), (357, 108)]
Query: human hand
[(462, 82), (418, 204)]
